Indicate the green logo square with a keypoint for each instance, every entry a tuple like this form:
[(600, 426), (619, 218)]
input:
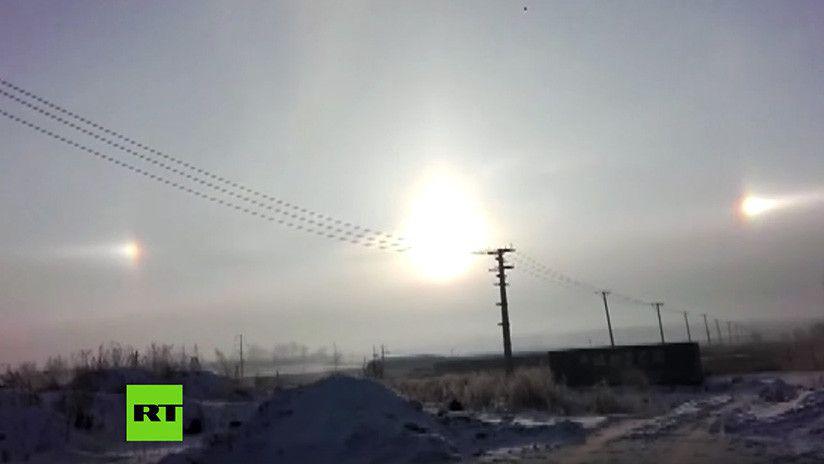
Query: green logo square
[(154, 412)]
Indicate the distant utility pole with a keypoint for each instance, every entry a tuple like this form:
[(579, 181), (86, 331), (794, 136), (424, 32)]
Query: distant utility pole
[(604, 294), (707, 326), (241, 356), (718, 329), (501, 269), (657, 307), (687, 323), (729, 331)]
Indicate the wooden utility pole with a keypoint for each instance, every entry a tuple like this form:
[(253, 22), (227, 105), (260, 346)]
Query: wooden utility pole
[(657, 307), (718, 329), (501, 269), (241, 356), (729, 331), (604, 294), (707, 326), (687, 323)]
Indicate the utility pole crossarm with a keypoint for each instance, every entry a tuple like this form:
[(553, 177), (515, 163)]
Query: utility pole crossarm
[(499, 251)]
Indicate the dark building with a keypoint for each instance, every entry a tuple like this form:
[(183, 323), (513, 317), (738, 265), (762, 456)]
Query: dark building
[(663, 364)]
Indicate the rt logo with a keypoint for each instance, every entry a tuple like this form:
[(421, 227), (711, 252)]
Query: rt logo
[(154, 412)]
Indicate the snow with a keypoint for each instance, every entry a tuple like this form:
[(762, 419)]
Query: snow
[(37, 428), (780, 413), (797, 429), (539, 418), (346, 420), (27, 426), (685, 412), (778, 391)]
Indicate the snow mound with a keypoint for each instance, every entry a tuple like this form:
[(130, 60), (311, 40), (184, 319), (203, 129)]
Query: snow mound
[(347, 420), (340, 419), (778, 391), (27, 426)]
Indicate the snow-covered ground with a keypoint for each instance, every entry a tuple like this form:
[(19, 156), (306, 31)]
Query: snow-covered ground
[(28, 426), (686, 412), (779, 414), (46, 427), (348, 420), (785, 424)]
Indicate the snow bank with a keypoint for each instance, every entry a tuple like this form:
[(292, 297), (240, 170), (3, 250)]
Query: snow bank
[(347, 420)]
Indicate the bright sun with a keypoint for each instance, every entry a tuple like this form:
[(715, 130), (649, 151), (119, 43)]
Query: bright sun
[(443, 227), (753, 206), (131, 251)]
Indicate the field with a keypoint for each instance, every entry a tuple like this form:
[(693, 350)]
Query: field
[(762, 402)]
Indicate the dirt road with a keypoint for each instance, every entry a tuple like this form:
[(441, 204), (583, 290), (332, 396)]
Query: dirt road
[(691, 443)]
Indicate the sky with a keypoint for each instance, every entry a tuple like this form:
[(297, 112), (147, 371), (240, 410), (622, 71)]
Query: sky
[(609, 140)]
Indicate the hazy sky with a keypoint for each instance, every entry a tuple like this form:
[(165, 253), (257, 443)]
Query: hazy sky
[(610, 140)]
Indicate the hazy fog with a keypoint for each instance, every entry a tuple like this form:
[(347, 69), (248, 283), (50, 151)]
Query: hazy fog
[(611, 140)]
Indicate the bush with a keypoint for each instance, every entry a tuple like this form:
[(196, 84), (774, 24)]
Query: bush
[(525, 389), (161, 359), (606, 400), (26, 377), (529, 389)]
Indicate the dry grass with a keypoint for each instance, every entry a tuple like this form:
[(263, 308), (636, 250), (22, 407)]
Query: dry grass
[(161, 359), (525, 389)]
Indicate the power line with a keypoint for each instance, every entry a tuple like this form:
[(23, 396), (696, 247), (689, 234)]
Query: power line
[(541, 271), (555, 276), (272, 208), (259, 199), (537, 269), (280, 211), (343, 237)]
